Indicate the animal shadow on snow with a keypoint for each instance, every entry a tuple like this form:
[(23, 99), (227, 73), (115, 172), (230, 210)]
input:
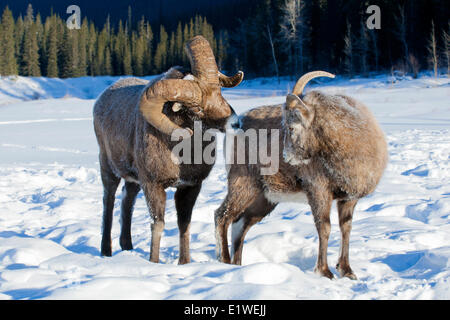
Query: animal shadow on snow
[(420, 264)]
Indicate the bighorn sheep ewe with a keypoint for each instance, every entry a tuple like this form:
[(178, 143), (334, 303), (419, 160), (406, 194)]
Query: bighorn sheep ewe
[(133, 121), (331, 147)]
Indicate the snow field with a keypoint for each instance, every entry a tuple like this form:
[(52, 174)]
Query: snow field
[(51, 204)]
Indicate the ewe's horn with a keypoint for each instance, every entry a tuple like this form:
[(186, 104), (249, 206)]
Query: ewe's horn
[(230, 82), (301, 83)]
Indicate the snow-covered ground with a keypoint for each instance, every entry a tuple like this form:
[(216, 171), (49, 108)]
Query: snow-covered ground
[(50, 206)]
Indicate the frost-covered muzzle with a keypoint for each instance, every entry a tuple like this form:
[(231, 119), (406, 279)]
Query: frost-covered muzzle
[(294, 147)]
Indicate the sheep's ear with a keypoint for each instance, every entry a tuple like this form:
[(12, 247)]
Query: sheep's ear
[(300, 109)]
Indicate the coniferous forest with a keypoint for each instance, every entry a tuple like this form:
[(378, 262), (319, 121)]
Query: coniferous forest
[(263, 38)]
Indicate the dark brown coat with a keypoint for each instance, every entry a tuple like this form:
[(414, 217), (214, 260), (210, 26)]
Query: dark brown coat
[(133, 122)]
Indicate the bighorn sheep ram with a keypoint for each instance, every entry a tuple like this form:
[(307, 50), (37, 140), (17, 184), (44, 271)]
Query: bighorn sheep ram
[(134, 120), (331, 147)]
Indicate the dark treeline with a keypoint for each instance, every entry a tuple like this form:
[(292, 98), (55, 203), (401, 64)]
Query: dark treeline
[(278, 37), (224, 13), (33, 47), (291, 37)]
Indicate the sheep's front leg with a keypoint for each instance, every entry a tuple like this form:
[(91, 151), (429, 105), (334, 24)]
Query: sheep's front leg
[(110, 184), (129, 193), (345, 210), (185, 198), (320, 202), (155, 196)]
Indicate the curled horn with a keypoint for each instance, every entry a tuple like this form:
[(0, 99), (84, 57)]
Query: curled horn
[(230, 82), (186, 92), (160, 92), (202, 92), (205, 71), (301, 83), (203, 63)]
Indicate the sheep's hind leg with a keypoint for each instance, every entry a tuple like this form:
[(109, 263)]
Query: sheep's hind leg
[(185, 198), (129, 192), (236, 202), (345, 210), (252, 215), (222, 222)]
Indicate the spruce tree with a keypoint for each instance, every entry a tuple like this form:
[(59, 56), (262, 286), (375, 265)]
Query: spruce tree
[(138, 42), (40, 43), (8, 63), (148, 52), (108, 69), (29, 17), (179, 44), (222, 47), (123, 51), (117, 50), (52, 50), (186, 37), (70, 54), (18, 36), (92, 39), (129, 24), (65, 55), (99, 58), (43, 53), (171, 58), (127, 68), (83, 34), (207, 31), (161, 51), (30, 54), (198, 22), (74, 36), (191, 30)]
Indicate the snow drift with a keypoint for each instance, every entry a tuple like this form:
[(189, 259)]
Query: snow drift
[(50, 206)]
